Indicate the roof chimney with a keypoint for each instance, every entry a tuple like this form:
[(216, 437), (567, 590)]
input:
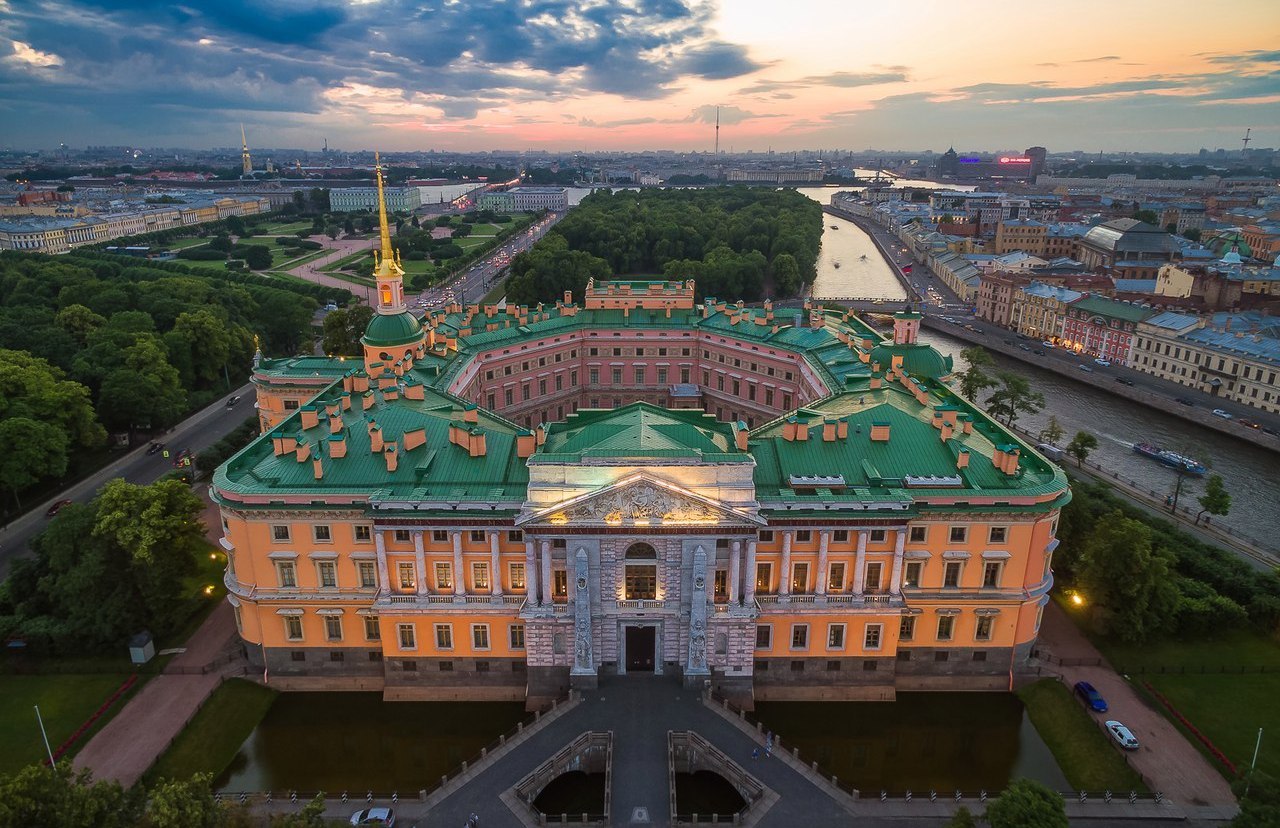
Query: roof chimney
[(393, 459), (375, 437), (317, 467), (310, 418), (740, 435), (879, 432), (338, 445), (470, 413), (414, 438), (526, 442), (303, 452), (962, 458), (476, 443), (828, 430)]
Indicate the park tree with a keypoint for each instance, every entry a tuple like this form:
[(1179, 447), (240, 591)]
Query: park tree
[(258, 257), (284, 320), (1192, 234), (299, 200), (786, 275), (79, 321), (1013, 397), (963, 818), (33, 450), (235, 226), (343, 329), (1025, 803), (1126, 579), (332, 230), (145, 391), (186, 803), (1081, 445), (30, 387), (222, 243), (37, 795), (1216, 500), (311, 816), (349, 226), (1148, 216), (203, 335), (974, 379), (1053, 432)]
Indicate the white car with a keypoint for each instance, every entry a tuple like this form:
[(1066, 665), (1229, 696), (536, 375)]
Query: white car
[(1218, 412), (1123, 736), (1103, 363), (384, 817)]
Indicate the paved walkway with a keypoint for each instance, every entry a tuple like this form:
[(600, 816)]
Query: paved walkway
[(1170, 763)]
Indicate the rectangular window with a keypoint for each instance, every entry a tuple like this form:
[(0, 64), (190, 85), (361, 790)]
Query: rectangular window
[(998, 534), (279, 532), (907, 628), (835, 636), (515, 536), (946, 627), (764, 577), (440, 535), (835, 579), (804, 536), (560, 584), (799, 636), (327, 574), (840, 536), (444, 575), (766, 536), (875, 571), (477, 536), (871, 639), (290, 405), (407, 635), (480, 636), (286, 574), (959, 534), (322, 533), (480, 575), (516, 571), (368, 574), (402, 536), (372, 632), (911, 574), (991, 574), (982, 632), (951, 573), (721, 585), (797, 666), (517, 636), (876, 536), (293, 627), (408, 580), (800, 577), (333, 628), (363, 533), (444, 636), (764, 636)]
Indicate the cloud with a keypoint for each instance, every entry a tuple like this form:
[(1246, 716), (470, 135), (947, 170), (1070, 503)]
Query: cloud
[(1102, 59), (26, 56), (587, 122), (718, 61), (842, 80), (729, 115)]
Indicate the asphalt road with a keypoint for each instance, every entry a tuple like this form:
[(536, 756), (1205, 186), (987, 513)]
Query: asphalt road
[(197, 432), (473, 283)]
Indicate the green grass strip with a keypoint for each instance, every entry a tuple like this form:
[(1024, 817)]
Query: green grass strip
[(216, 732), (1087, 758)]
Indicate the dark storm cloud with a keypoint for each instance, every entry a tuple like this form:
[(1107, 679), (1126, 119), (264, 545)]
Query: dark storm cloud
[(156, 57)]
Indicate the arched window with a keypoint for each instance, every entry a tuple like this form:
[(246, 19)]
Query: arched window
[(641, 551), (640, 580)]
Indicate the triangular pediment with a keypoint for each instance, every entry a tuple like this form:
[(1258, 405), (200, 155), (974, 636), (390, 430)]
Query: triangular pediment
[(639, 500)]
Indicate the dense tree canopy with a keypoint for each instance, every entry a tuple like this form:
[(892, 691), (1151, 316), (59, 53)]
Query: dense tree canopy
[(1025, 803), (737, 242)]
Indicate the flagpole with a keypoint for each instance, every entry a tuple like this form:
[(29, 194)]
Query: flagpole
[(40, 719)]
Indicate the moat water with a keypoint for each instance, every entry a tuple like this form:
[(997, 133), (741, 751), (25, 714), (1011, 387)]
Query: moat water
[(356, 742)]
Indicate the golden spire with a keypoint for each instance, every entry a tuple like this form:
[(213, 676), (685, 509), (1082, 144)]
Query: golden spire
[(387, 266)]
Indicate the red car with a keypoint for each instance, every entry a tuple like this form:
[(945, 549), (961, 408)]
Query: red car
[(57, 507)]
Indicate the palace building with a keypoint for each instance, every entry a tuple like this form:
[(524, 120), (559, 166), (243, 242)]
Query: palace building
[(501, 503)]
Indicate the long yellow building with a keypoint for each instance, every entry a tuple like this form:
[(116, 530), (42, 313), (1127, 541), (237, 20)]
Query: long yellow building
[(501, 503)]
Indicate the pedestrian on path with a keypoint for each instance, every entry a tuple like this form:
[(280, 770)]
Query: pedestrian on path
[(768, 744), (755, 754)]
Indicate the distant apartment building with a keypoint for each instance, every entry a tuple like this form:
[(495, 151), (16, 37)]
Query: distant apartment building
[(1263, 239), (995, 297), (1233, 356), (1021, 234), (525, 200), (1127, 248), (1040, 309), (1103, 328), (774, 176), (1182, 217), (349, 199)]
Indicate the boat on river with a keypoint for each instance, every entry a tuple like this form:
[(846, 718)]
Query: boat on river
[(1170, 458), (835, 227), (836, 265)]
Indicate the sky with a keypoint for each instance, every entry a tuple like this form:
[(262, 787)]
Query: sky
[(561, 75)]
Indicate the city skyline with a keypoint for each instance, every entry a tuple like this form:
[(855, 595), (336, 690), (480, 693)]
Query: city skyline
[(630, 76)]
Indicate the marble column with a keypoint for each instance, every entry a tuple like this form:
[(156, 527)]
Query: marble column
[(583, 661), (895, 580), (749, 583), (544, 593), (860, 562), (384, 583), (735, 571), (420, 562), (530, 574), (696, 665), (495, 563), (824, 538), (784, 585), (459, 577)]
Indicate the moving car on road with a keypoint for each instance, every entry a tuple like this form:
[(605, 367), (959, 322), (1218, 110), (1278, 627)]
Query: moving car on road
[(155, 447), (1091, 697), (57, 507), (1218, 412), (1102, 362), (1124, 381), (374, 816), (1123, 736), (1085, 368)]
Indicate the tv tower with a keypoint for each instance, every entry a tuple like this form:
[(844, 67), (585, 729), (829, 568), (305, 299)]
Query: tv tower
[(717, 135), (1245, 141), (246, 163)]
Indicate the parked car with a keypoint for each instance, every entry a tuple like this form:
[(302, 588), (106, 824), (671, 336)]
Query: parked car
[(231, 401), (1085, 368), (1184, 401), (1218, 412), (1091, 697), (1248, 423), (1038, 352), (1124, 381), (1102, 362), (155, 447), (57, 507), (374, 816), (1008, 342), (1123, 735), (1047, 344)]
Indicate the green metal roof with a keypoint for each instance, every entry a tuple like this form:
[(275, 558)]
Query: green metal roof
[(640, 430), (386, 330), (917, 360), (1111, 307)]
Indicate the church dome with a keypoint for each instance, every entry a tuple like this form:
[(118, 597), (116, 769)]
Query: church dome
[(917, 360), (386, 330)]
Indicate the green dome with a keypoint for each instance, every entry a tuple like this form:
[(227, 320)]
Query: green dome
[(917, 360), (386, 330)]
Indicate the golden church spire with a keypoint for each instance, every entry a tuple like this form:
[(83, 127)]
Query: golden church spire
[(387, 271), (246, 162)]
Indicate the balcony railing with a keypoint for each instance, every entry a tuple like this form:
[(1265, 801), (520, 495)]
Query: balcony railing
[(640, 604)]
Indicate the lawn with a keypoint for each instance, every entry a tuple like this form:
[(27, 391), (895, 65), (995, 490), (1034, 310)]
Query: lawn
[(351, 259), (285, 228), (215, 734), (1086, 756), (66, 702)]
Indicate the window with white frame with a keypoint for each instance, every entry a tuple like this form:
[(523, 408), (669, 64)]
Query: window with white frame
[(874, 576), (982, 630), (951, 573), (907, 628), (959, 534), (333, 627), (480, 636), (840, 536), (401, 535), (327, 574), (280, 532), (764, 636), (363, 533), (322, 533), (516, 572), (998, 534), (372, 632), (439, 536), (799, 636), (477, 536), (876, 536), (873, 636), (991, 571), (408, 578), (516, 636), (835, 577), (407, 635), (918, 534), (444, 575), (480, 575), (286, 574), (946, 627), (368, 572), (835, 636), (444, 636), (911, 573), (293, 627), (800, 577)]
